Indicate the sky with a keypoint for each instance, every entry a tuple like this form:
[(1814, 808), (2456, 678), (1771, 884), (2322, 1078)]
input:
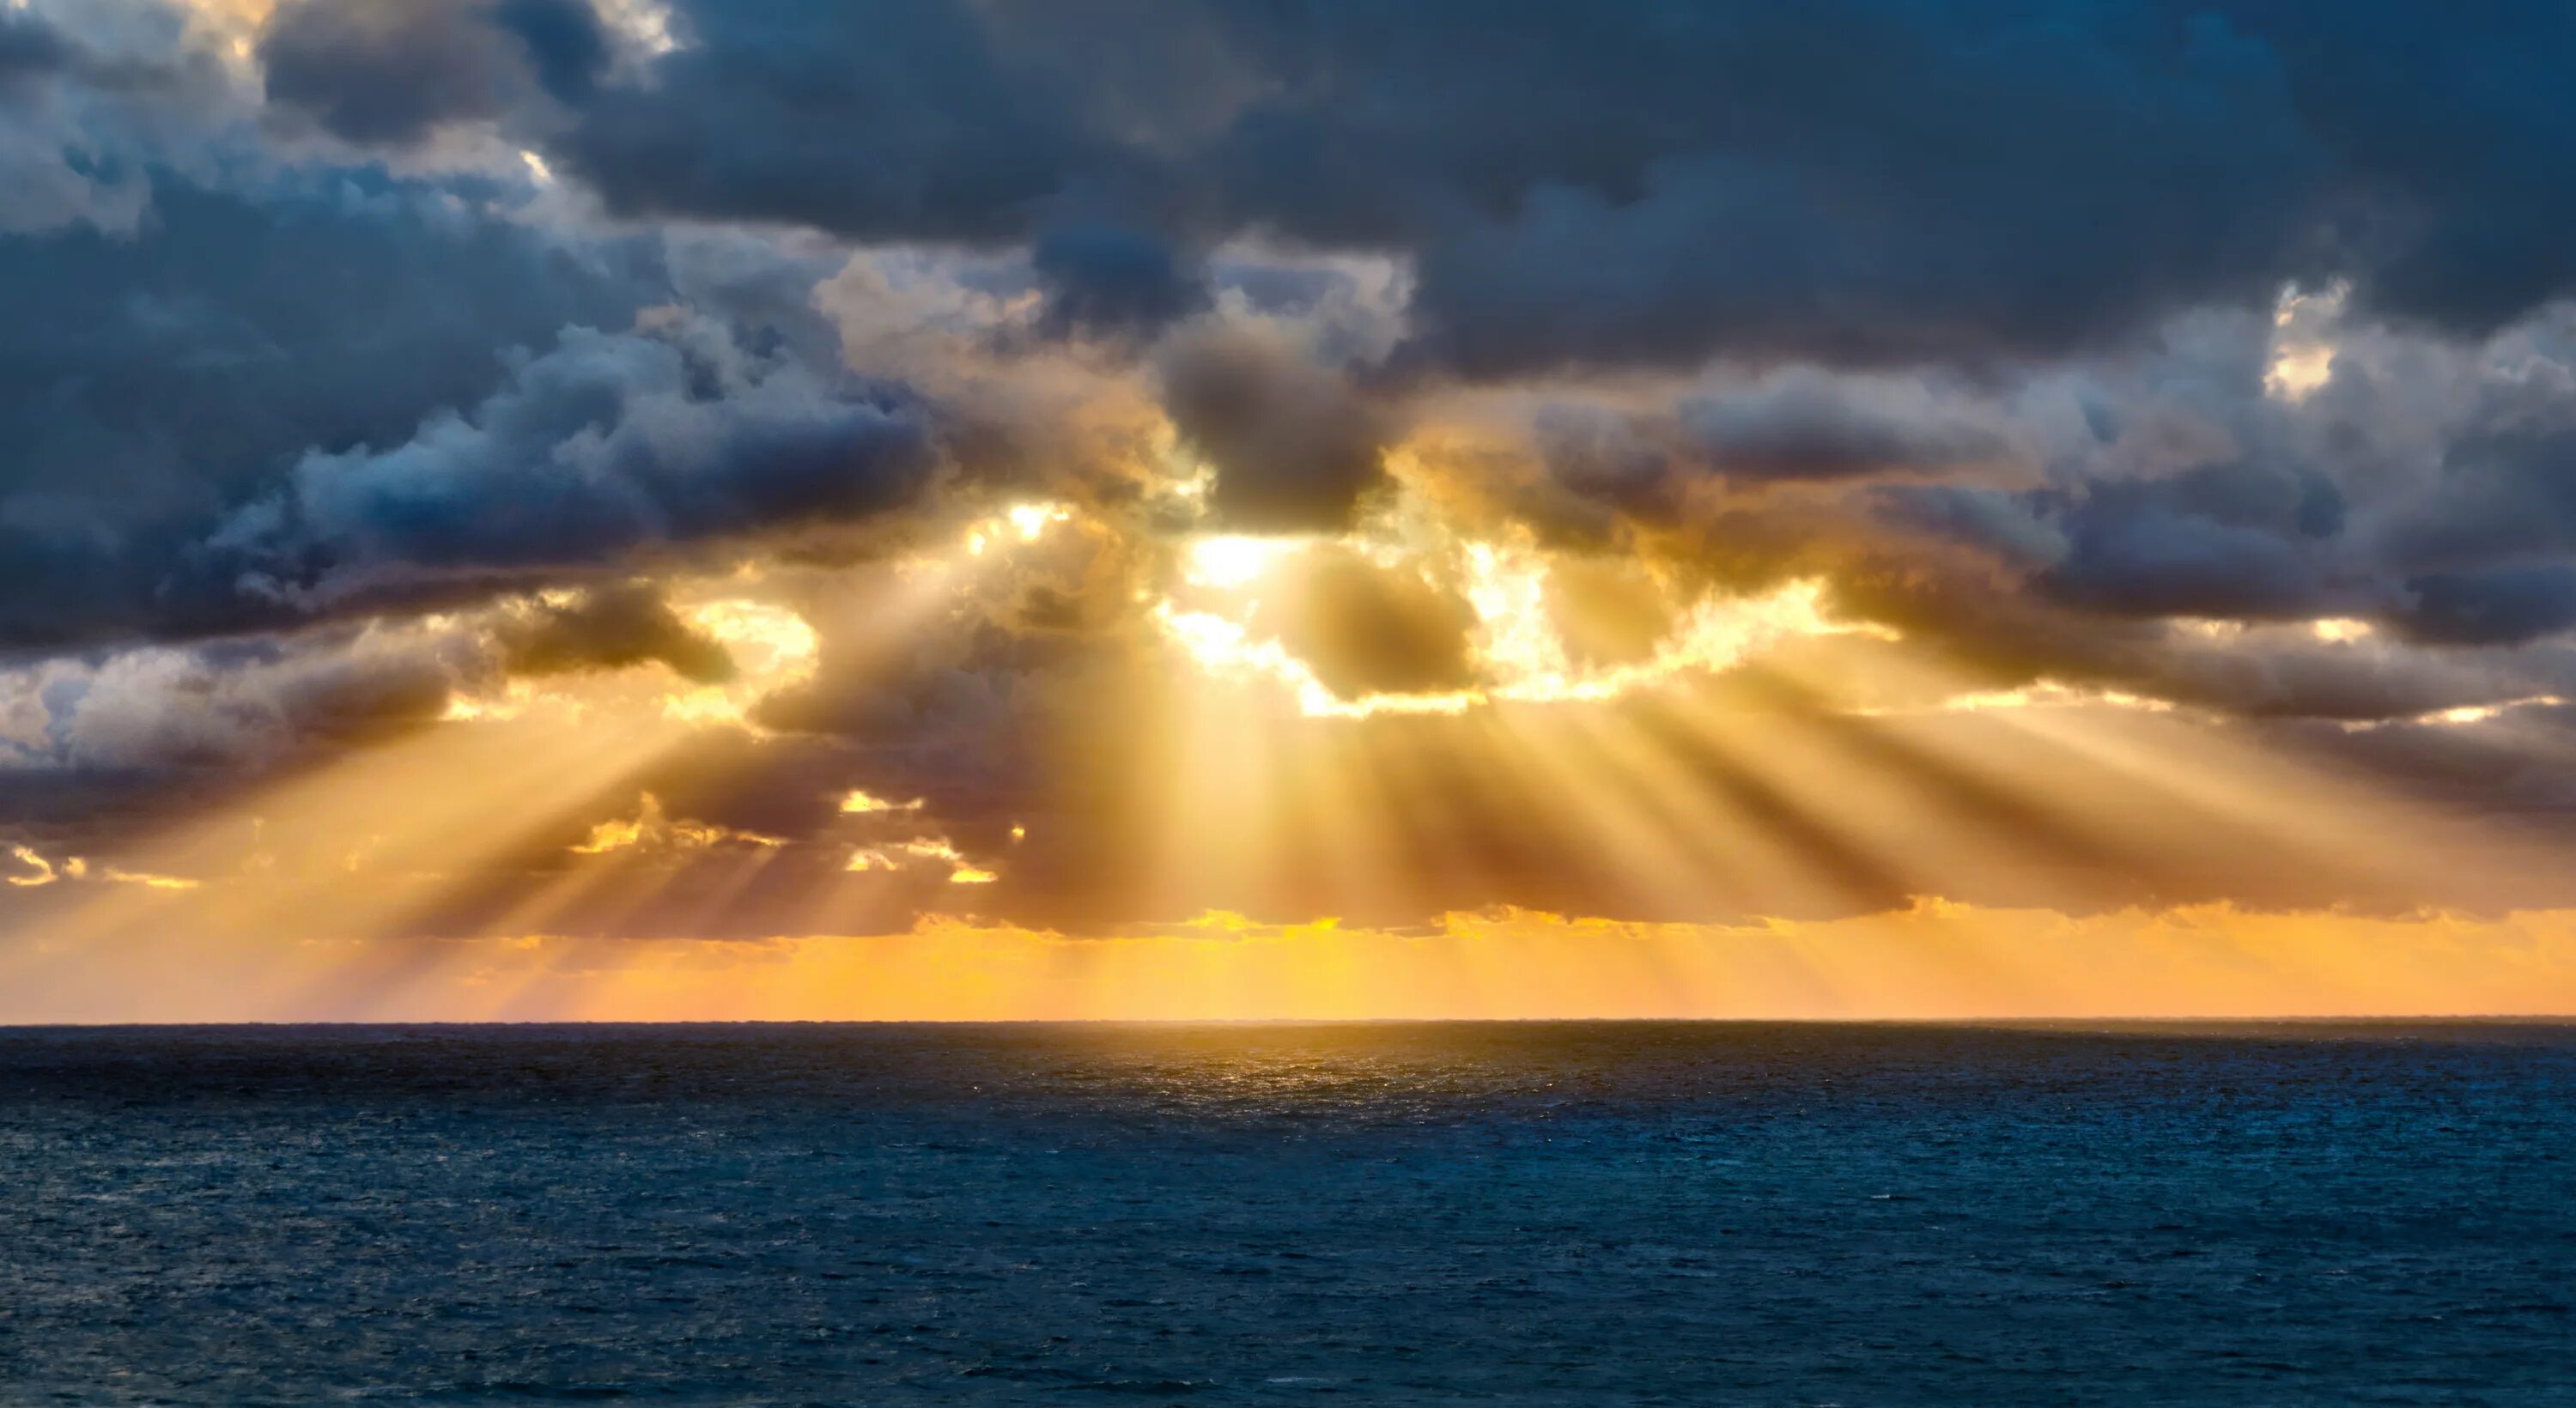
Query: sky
[(820, 509)]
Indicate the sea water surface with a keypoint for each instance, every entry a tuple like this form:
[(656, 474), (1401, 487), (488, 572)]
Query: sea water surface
[(1538, 1214)]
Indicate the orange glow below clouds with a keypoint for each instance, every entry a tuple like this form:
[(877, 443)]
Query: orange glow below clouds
[(1934, 961)]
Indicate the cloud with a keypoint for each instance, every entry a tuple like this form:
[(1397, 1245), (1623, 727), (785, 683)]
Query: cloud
[(566, 41), (653, 832), (607, 444), (1606, 610), (1105, 281), (2147, 562), (153, 383), (613, 627), (2498, 606), (933, 134), (1295, 446), (56, 172), (159, 711), (1885, 181), (1365, 629), (1805, 426), (393, 71), (30, 48), (427, 351)]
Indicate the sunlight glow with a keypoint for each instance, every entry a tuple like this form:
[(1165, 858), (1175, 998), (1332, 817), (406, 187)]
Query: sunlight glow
[(43, 872), (1516, 643), (2480, 713), (651, 828), (2044, 694), (1933, 960), (2302, 354), (773, 649), (1031, 520), (1020, 523), (1530, 663), (1229, 562), (961, 871)]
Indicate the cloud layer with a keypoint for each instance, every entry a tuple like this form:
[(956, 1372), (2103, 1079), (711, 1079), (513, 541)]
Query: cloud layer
[(944, 399)]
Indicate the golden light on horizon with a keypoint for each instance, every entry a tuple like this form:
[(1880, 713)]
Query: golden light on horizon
[(1931, 961)]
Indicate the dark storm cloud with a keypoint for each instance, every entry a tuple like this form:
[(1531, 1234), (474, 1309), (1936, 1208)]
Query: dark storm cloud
[(611, 628), (1598, 464), (2150, 561), (2441, 514), (606, 444), (288, 389), (1642, 182), (2005, 638), (2497, 606), (387, 70), (29, 47), (1883, 181), (2007, 632), (1807, 427), (150, 382), (885, 121), (2508, 488), (565, 41), (2002, 526), (1294, 445), (1861, 445), (1105, 281), (394, 70), (1802, 427), (2454, 123)]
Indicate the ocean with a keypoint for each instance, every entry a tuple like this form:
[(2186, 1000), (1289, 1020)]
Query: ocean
[(1578, 1213)]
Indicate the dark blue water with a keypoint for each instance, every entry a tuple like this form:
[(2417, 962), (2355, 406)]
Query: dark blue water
[(1584, 1214)]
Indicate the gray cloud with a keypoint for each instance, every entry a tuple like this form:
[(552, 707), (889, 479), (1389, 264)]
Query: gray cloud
[(167, 713), (154, 382), (1294, 445), (1805, 426), (395, 70), (609, 443), (1105, 281), (1884, 181)]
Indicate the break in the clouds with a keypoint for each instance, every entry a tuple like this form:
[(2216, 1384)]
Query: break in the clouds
[(1082, 461)]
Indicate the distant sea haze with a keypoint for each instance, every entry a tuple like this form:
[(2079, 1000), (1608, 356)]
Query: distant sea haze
[(1527, 1213)]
